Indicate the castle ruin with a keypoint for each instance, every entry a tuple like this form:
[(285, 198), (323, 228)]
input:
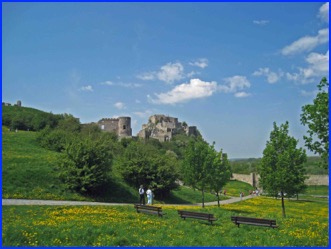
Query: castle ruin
[(121, 126), (160, 127), (163, 128)]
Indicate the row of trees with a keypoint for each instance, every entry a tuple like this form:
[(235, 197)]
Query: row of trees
[(281, 168)]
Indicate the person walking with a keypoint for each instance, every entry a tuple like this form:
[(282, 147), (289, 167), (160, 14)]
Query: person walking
[(149, 194), (142, 195)]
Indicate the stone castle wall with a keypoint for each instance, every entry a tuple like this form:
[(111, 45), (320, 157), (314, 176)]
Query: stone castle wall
[(253, 179), (121, 126)]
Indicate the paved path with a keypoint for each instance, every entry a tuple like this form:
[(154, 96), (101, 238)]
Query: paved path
[(81, 203)]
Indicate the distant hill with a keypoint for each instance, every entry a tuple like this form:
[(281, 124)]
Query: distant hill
[(26, 118)]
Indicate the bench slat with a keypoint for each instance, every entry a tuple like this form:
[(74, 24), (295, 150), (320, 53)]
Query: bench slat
[(148, 209), (253, 221), (196, 215)]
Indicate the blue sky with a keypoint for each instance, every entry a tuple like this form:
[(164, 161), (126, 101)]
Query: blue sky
[(231, 69)]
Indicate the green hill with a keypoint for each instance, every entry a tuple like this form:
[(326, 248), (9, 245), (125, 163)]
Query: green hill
[(26, 118), (29, 171)]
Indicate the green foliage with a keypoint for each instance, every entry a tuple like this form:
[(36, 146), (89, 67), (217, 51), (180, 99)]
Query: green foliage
[(281, 168), (25, 118), (55, 140), (69, 123), (245, 166), (219, 172), (144, 164), (316, 117), (85, 165), (203, 168)]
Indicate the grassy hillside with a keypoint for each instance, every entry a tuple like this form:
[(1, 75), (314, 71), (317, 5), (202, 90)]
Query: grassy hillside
[(26, 118), (28, 171)]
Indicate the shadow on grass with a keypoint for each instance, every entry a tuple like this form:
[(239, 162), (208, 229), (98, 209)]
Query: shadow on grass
[(115, 191)]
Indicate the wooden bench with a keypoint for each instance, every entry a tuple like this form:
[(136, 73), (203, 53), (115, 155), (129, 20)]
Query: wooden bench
[(196, 215), (148, 209), (253, 221)]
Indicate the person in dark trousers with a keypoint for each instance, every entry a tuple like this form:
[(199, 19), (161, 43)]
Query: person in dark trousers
[(142, 195)]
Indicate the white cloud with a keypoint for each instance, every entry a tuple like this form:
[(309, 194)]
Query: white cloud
[(234, 84), (171, 72), (182, 93), (324, 12), (119, 105), (272, 77), (242, 95), (168, 73), (261, 22), (86, 88), (307, 43), (121, 84), (318, 66), (202, 63), (107, 83), (146, 76)]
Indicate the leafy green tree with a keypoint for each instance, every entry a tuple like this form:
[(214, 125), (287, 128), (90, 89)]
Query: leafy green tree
[(69, 123), (144, 164), (220, 171), (199, 165), (281, 168), (85, 165), (316, 117), (192, 166)]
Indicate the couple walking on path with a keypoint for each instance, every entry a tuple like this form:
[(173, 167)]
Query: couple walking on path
[(149, 194)]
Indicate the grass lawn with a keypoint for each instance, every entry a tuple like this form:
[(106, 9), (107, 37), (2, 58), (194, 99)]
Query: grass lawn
[(306, 225)]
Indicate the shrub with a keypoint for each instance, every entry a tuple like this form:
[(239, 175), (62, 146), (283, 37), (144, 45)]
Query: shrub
[(85, 165)]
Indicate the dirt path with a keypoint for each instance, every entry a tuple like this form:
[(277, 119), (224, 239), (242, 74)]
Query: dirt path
[(17, 202)]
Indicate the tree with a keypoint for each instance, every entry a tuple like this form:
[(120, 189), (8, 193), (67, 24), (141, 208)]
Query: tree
[(316, 117), (85, 165), (220, 172), (281, 168), (204, 168), (144, 164), (195, 166)]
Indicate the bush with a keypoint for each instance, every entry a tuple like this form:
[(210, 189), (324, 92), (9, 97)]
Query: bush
[(55, 140), (85, 165)]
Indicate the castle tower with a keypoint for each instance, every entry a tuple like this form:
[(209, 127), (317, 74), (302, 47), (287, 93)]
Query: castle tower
[(19, 103), (124, 127)]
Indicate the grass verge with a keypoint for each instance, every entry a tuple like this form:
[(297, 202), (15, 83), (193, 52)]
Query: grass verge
[(306, 225)]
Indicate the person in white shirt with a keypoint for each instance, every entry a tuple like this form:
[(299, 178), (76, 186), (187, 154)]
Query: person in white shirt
[(149, 194), (142, 195)]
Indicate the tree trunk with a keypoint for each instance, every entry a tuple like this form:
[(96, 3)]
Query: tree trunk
[(218, 199), (283, 205), (203, 198)]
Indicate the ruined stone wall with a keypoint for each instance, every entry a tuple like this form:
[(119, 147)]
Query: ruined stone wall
[(253, 179), (109, 124), (124, 127)]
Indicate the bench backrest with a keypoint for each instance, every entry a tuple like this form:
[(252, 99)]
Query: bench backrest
[(253, 220), (197, 214), (146, 207)]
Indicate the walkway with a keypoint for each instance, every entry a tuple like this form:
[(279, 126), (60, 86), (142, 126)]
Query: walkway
[(19, 202)]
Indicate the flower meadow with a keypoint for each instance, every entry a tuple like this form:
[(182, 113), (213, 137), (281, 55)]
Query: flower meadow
[(306, 224)]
